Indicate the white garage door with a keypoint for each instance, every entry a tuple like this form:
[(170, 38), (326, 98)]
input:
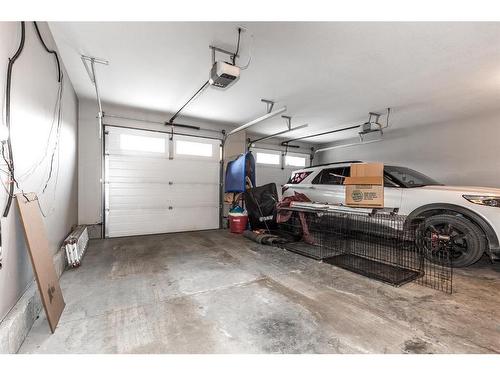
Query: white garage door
[(154, 185), (271, 166)]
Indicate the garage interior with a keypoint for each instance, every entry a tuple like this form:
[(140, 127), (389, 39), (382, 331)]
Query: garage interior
[(128, 134)]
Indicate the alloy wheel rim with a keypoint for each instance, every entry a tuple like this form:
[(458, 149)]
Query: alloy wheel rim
[(443, 241)]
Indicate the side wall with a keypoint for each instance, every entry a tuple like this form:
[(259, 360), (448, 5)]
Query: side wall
[(464, 152), (34, 92)]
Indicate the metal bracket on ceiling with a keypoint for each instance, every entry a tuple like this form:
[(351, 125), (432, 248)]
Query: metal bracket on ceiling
[(89, 64), (269, 104), (217, 49), (288, 120), (91, 69), (270, 113), (374, 114)]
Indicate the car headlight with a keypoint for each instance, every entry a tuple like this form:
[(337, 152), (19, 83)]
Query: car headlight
[(485, 200)]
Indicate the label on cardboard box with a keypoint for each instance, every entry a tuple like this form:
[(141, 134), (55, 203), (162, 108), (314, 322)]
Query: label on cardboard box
[(364, 195)]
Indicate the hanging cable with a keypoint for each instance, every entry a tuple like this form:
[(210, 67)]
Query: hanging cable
[(59, 73), (243, 67), (59, 120), (10, 160), (56, 143), (237, 47), (55, 121)]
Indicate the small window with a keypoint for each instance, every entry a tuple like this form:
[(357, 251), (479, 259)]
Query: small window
[(270, 159), (193, 148), (295, 161), (140, 143), (332, 176)]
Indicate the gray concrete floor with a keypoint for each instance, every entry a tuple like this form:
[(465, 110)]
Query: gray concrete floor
[(215, 292)]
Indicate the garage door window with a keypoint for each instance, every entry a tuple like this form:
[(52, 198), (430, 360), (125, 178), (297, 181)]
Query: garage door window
[(140, 143), (295, 161), (193, 148), (269, 159)]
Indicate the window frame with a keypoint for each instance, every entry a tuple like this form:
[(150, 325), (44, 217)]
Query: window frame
[(319, 178), (177, 153), (268, 152), (303, 156), (125, 150), (216, 155)]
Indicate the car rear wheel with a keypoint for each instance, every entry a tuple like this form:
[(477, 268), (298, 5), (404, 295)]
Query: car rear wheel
[(447, 236)]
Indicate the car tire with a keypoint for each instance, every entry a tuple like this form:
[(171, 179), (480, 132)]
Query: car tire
[(466, 243)]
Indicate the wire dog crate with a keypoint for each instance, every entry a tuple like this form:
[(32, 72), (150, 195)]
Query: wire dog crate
[(380, 245)]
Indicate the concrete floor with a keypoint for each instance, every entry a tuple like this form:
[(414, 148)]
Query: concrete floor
[(215, 292)]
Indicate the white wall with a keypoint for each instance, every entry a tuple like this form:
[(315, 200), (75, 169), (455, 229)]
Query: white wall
[(464, 152), (34, 89)]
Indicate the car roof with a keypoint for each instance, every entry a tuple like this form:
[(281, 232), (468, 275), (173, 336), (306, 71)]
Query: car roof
[(334, 163)]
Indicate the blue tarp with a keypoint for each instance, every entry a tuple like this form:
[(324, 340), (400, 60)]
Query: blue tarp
[(237, 170)]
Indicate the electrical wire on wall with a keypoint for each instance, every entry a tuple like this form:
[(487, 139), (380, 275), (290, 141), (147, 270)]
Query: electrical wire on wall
[(233, 58), (55, 131), (235, 55), (7, 144), (243, 67)]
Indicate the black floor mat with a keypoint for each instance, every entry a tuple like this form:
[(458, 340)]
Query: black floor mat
[(302, 248), (387, 273)]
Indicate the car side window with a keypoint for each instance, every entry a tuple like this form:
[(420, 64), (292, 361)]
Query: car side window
[(332, 176), (389, 183)]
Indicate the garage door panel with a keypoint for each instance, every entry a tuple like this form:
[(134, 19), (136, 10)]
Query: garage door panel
[(151, 221), (185, 195), (147, 192), (132, 169)]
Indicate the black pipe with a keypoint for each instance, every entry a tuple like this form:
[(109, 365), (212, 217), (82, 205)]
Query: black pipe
[(59, 77), (203, 87), (284, 143), (270, 145), (183, 126), (10, 163)]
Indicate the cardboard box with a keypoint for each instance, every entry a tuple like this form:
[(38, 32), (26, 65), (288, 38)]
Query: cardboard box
[(367, 170), (365, 186)]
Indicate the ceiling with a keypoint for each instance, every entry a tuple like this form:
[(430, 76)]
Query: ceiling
[(328, 74)]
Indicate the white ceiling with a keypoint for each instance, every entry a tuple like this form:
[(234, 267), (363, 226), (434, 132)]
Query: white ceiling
[(328, 74)]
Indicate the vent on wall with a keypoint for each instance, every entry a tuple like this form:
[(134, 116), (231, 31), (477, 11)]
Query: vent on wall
[(75, 246)]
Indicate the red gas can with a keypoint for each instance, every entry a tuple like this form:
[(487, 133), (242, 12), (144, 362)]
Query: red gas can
[(238, 224)]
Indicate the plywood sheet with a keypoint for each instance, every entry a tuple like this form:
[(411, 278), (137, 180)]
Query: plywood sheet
[(41, 259)]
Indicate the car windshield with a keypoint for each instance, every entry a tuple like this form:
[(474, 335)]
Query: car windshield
[(407, 177)]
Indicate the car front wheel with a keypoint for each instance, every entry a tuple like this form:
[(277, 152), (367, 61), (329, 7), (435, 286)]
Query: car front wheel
[(447, 237)]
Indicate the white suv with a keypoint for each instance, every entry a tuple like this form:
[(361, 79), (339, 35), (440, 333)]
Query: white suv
[(468, 218)]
